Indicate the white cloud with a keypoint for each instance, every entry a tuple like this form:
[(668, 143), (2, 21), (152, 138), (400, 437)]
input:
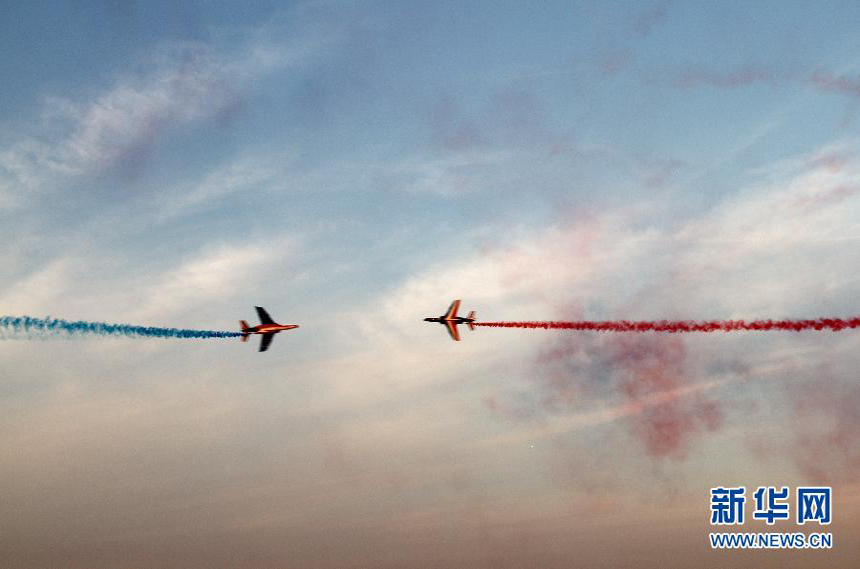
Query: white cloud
[(188, 83), (452, 175), (212, 276), (38, 292), (97, 287), (780, 245), (248, 173)]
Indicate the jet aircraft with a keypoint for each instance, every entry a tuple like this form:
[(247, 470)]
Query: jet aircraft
[(268, 328), (450, 320)]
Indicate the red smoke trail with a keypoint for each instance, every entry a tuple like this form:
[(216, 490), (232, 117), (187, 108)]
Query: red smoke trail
[(684, 326)]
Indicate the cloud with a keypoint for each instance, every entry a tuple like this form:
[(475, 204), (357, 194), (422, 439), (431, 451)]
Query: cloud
[(88, 288), (37, 292), (825, 81), (824, 427), (118, 128), (213, 275), (461, 173), (842, 84), (253, 172), (801, 210)]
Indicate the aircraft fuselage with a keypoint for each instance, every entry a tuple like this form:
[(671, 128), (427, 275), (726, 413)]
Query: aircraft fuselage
[(269, 328), (443, 320)]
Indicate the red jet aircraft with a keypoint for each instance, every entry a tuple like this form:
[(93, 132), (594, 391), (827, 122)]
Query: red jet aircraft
[(268, 328), (450, 320)]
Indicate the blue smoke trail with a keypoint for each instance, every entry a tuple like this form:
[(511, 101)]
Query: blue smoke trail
[(29, 327)]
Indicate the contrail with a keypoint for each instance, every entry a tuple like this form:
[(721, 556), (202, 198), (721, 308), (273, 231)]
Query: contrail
[(29, 327), (685, 326)]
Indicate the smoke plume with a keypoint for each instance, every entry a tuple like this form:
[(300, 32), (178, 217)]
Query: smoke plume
[(685, 326), (27, 327)]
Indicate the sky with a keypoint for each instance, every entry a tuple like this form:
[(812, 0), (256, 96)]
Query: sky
[(355, 166)]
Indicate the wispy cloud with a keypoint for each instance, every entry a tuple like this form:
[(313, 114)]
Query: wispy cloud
[(250, 174), (82, 287), (843, 84), (211, 276), (822, 80), (187, 83)]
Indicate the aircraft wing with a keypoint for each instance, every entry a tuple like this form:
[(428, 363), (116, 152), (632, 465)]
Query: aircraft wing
[(452, 310), (265, 340), (264, 316), (452, 329)]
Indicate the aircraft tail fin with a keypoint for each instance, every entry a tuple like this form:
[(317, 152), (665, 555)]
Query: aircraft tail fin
[(471, 317), (243, 324)]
